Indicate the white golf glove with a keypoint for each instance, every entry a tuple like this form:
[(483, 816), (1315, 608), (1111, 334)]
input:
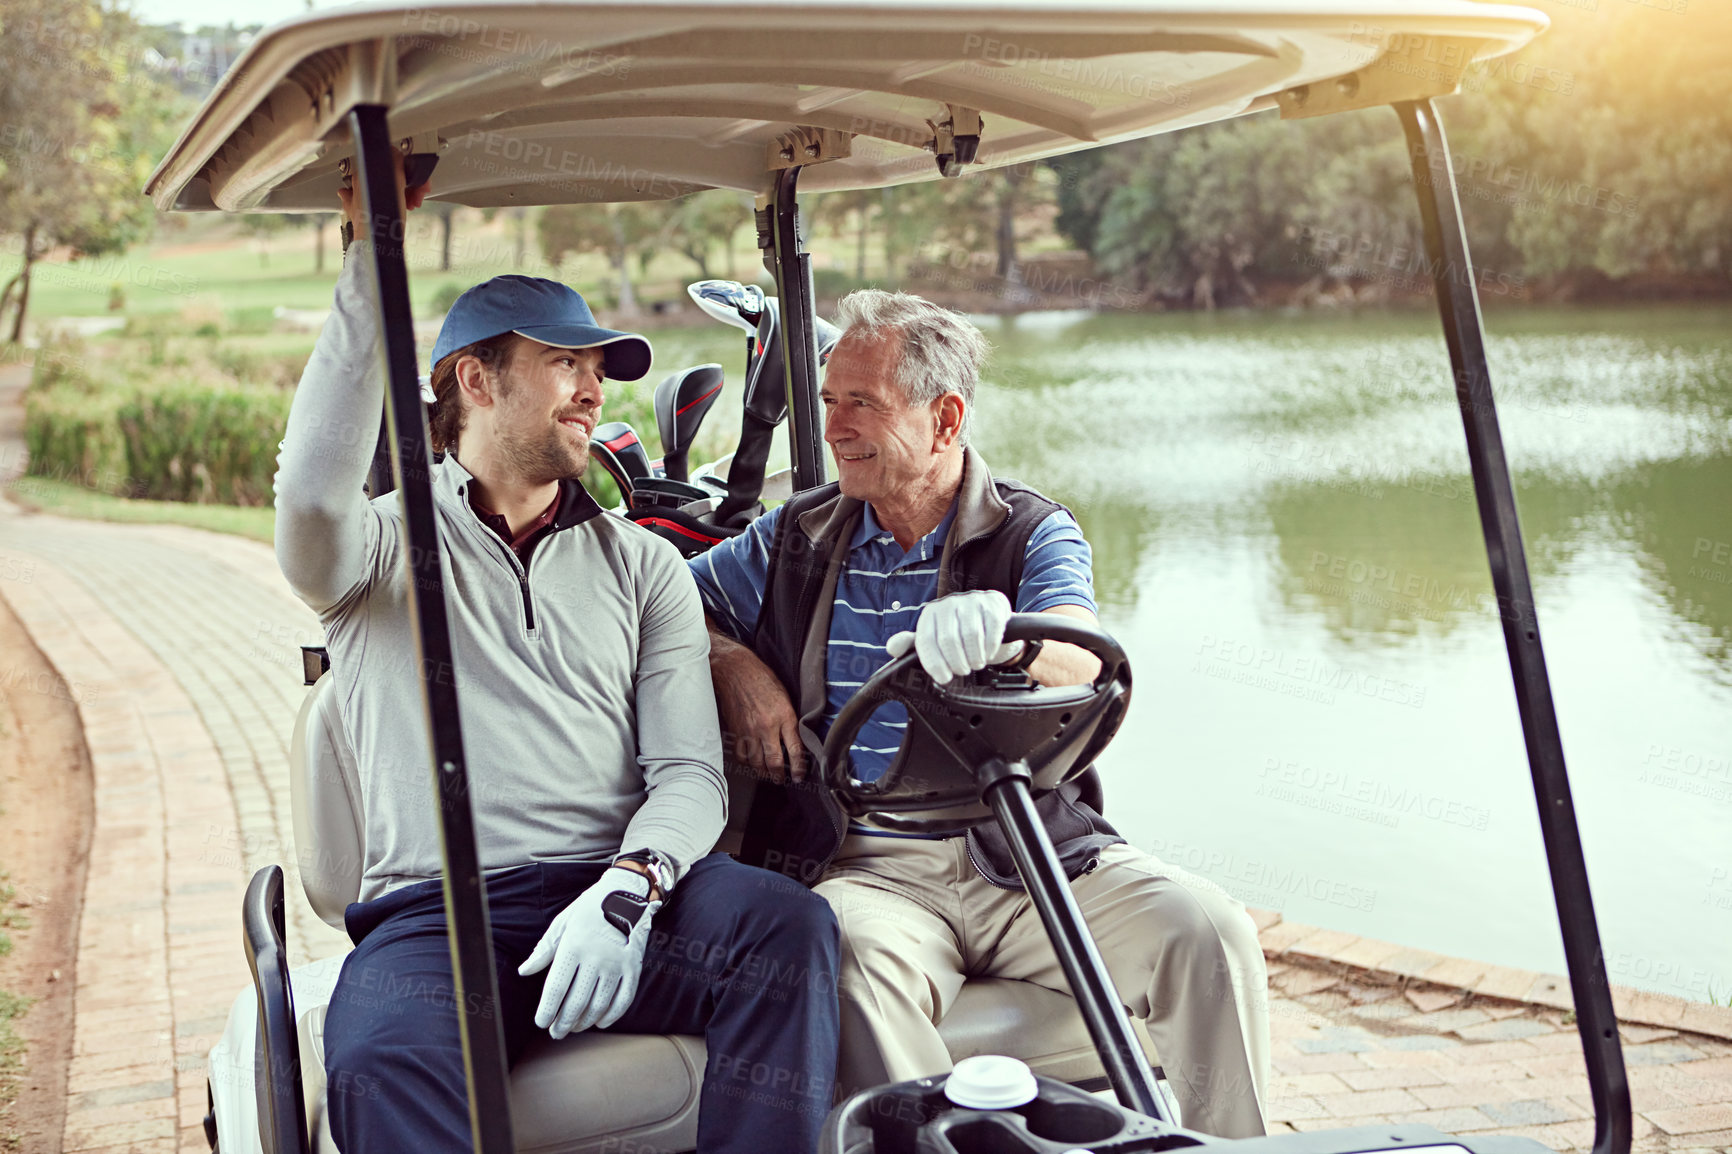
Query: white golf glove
[(596, 963), (958, 634)]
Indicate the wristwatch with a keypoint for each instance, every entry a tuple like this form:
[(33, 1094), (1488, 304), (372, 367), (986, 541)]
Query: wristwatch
[(1030, 651), (655, 865)]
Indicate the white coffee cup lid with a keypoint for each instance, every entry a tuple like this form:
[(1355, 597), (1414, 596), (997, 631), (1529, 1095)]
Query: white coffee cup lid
[(990, 1082)]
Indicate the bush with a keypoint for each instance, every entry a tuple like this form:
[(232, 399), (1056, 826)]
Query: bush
[(253, 367), (181, 444), (75, 437), (61, 364), (203, 445)]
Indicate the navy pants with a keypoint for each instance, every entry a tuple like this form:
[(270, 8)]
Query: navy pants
[(739, 955)]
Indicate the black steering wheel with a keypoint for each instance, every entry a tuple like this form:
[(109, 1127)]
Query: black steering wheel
[(956, 728)]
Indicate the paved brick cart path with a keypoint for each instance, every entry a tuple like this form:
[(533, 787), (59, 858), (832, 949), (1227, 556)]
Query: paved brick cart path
[(179, 649)]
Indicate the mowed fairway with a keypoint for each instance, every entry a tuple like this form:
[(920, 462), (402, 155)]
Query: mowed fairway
[(204, 265)]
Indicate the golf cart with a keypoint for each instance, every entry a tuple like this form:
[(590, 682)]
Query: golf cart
[(523, 104)]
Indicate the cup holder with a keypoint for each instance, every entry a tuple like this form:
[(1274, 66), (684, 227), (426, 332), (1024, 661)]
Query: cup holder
[(917, 1118), (990, 1134), (1074, 1123)]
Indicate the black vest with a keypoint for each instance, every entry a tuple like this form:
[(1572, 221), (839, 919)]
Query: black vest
[(796, 829)]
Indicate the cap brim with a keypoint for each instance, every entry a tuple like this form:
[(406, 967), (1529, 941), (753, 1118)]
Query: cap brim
[(626, 356)]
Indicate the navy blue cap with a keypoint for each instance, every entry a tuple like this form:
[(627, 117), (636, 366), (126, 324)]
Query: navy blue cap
[(542, 310)]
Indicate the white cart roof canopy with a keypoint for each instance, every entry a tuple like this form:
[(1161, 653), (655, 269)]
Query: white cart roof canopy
[(591, 102)]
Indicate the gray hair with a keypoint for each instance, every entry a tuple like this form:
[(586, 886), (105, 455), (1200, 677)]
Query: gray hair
[(940, 351)]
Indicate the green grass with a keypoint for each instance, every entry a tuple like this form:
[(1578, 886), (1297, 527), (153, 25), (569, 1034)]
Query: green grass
[(204, 266), (69, 500)]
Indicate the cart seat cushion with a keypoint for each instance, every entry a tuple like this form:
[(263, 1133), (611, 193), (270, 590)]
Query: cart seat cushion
[(568, 1096), (324, 793)]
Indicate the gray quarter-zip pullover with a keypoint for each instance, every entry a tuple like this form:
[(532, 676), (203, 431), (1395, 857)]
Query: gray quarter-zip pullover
[(589, 720)]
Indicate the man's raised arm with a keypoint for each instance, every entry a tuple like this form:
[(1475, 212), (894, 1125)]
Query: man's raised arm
[(322, 535), (325, 530)]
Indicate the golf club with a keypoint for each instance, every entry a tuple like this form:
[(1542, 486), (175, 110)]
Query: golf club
[(617, 447), (681, 403)]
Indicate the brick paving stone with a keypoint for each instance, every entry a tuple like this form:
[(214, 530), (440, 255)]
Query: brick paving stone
[(1703, 1018), (1564, 1041), (1412, 963), (1322, 945), (1294, 1108), (1506, 1030), (1502, 1051), (1298, 982), (1506, 982), (1427, 1001), (1297, 1085), (1548, 1064), (1531, 1111), (1462, 1069), (1393, 1010), (1306, 1124), (1560, 1136), (1453, 1094), (1389, 1059), (1692, 1119), (1420, 1042), (1459, 1120), (1360, 1102), (150, 1134), (1315, 1063), (1459, 972), (1645, 1008), (1450, 1021), (1661, 1054), (1406, 1077), (1497, 1010), (1551, 990), (1368, 953), (1641, 1035), (1337, 1040)]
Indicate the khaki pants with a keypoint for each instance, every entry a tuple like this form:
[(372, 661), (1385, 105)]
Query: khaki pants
[(917, 918)]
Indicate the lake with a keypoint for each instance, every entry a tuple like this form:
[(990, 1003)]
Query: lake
[(1286, 542)]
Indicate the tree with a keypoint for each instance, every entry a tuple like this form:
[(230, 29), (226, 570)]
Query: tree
[(80, 135), (444, 210), (262, 226), (318, 222), (618, 232), (700, 222)]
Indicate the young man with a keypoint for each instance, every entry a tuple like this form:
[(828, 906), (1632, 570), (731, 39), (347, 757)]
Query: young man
[(844, 577), (589, 727)]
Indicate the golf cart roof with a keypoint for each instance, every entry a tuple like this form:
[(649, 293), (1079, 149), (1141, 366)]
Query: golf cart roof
[(548, 103)]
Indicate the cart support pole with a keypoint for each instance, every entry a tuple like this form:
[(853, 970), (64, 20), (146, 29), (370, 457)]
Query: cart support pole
[(1005, 788), (1458, 302), (476, 987), (793, 271)]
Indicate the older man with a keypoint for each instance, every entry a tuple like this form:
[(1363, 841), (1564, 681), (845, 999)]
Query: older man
[(918, 545), (590, 731)]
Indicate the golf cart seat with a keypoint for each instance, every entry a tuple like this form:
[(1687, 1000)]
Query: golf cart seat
[(559, 1105)]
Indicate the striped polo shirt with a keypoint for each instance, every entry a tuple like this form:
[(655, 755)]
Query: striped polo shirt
[(879, 593)]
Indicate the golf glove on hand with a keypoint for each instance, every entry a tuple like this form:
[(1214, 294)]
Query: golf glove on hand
[(958, 634), (595, 963)]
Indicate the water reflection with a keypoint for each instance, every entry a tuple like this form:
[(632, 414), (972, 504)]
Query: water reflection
[(1287, 542)]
